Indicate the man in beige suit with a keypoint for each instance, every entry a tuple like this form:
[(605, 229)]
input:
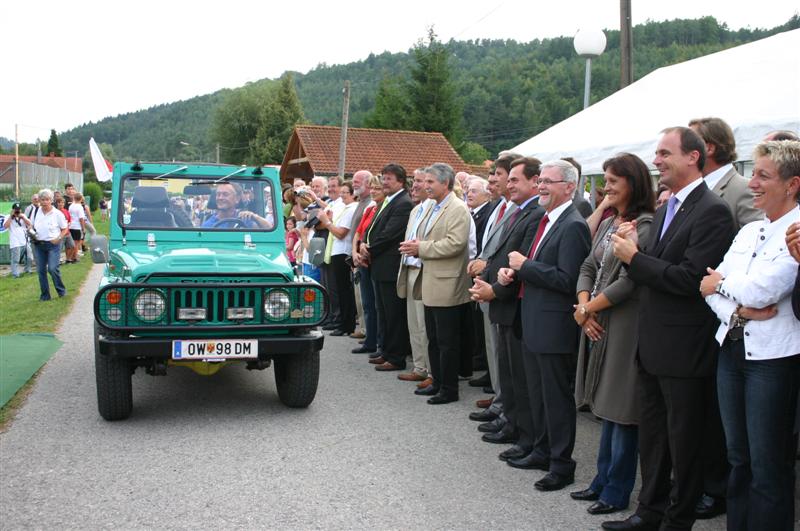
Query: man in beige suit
[(409, 280), (442, 243), (720, 175)]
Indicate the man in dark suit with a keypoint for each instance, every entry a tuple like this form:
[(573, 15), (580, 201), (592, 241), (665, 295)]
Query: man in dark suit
[(504, 311), (677, 350), (549, 274), (383, 237)]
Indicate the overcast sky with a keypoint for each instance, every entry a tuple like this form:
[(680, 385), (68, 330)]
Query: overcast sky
[(68, 63)]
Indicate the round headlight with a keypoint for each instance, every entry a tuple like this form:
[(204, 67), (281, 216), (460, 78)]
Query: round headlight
[(277, 304), (114, 313), (149, 305)]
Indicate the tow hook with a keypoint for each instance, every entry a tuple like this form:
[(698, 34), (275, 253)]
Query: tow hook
[(158, 368)]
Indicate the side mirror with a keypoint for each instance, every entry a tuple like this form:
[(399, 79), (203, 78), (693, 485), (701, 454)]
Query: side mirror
[(99, 246)]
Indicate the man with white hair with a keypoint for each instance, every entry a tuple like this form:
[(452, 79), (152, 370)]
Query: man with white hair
[(361, 191), (51, 228)]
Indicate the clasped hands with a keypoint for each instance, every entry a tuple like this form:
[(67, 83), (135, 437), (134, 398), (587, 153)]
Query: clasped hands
[(625, 241), (708, 286)]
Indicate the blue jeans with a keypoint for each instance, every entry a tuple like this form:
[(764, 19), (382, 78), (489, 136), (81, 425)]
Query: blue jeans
[(47, 261), (616, 463), (757, 401), (311, 271), (16, 254), (372, 339)]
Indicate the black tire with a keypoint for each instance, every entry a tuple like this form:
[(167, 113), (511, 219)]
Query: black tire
[(114, 389), (296, 377)]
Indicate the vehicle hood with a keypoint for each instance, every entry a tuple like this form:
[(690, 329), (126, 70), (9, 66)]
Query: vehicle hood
[(137, 262)]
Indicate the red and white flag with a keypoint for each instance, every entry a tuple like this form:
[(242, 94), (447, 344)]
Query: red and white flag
[(102, 168)]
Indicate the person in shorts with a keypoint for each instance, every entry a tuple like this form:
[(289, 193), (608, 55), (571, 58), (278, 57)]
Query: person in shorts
[(77, 226)]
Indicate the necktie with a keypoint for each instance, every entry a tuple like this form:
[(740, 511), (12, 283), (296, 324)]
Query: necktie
[(671, 208), (375, 218), (510, 224), (539, 233), (500, 213)]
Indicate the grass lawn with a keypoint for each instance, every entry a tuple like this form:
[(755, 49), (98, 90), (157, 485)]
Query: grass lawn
[(20, 307)]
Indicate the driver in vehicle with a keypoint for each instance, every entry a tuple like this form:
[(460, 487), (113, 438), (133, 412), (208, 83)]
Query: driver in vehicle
[(228, 215)]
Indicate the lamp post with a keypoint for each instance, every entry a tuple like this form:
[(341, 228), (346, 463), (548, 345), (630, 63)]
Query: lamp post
[(589, 43)]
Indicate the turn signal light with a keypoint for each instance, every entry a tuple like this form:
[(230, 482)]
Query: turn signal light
[(309, 295), (114, 297)]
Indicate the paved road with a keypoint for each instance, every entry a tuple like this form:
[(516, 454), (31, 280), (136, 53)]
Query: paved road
[(222, 452)]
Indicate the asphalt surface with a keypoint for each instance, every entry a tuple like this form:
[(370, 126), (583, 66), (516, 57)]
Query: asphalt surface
[(223, 452)]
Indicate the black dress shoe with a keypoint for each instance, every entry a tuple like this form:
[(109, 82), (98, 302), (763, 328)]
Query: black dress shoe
[(601, 507), (501, 437), (339, 333), (330, 327), (427, 391), (442, 399), (584, 495), (492, 427), (553, 482), (633, 522), (480, 381), (709, 507), (376, 354), (363, 350), (483, 416), (515, 452), (488, 390), (529, 462)]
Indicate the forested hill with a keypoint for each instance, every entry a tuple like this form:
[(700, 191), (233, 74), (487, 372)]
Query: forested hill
[(509, 90)]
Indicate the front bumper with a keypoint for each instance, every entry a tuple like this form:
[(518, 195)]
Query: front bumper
[(161, 348)]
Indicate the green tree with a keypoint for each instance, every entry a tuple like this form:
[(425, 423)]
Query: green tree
[(52, 144), (473, 153), (392, 109), (276, 123), (431, 91)]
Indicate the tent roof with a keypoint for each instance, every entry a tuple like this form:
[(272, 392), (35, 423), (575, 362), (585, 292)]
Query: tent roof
[(754, 87)]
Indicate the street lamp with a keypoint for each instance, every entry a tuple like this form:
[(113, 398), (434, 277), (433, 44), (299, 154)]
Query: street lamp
[(589, 43)]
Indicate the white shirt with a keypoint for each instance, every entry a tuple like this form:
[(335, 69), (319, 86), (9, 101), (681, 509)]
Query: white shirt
[(76, 213), (714, 177), (684, 192), (16, 233), (412, 233), (759, 271), (551, 220), (492, 219), (344, 219), (49, 226)]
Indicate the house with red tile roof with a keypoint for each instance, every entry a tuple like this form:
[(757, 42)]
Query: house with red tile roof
[(314, 151)]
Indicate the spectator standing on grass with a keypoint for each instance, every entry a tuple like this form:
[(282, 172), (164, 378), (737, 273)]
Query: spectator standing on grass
[(51, 227), (68, 244), (17, 225), (103, 205), (77, 226)]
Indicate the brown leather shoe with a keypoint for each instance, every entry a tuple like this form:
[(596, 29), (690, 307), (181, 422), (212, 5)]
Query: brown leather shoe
[(483, 403), (357, 335), (386, 366), (425, 383), (377, 361), (410, 376)]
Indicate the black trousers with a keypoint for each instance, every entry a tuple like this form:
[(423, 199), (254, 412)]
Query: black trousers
[(342, 279), (468, 338), (516, 402), (672, 417), (443, 326), (715, 456), (550, 388), (394, 322), (326, 279)]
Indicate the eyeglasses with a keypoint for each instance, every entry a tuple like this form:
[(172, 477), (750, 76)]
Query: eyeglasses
[(548, 182)]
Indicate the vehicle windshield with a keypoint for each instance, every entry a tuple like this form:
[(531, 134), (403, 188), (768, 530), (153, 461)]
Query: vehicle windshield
[(193, 203)]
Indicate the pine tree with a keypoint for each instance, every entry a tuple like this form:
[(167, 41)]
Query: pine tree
[(52, 144), (392, 108)]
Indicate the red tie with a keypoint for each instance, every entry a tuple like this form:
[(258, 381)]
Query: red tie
[(500, 213), (539, 232)]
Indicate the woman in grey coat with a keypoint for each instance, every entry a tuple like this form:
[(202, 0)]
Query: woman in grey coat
[(608, 315)]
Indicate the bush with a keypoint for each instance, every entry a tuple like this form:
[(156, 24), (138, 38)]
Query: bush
[(94, 191)]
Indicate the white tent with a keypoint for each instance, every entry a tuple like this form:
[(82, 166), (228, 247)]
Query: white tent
[(754, 87)]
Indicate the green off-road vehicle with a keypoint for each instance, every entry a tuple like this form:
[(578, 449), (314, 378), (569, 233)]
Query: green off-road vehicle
[(197, 276)]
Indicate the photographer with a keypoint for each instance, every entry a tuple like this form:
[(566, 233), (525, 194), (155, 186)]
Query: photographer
[(49, 227), (17, 225)]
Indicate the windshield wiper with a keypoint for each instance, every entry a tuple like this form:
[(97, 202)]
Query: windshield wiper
[(240, 170), (171, 172)]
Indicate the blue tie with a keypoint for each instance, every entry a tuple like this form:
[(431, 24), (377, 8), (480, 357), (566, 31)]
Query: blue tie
[(671, 207)]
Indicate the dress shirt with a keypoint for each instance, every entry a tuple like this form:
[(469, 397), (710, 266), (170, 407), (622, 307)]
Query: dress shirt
[(714, 177), (493, 218), (478, 208), (415, 261), (684, 192), (758, 271), (473, 239), (553, 216)]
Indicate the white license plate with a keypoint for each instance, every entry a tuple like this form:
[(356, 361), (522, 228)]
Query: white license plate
[(194, 349)]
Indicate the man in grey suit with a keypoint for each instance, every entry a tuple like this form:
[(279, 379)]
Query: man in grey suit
[(721, 178), (549, 274)]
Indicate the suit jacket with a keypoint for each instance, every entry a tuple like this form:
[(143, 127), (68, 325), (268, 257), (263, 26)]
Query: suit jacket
[(490, 245), (384, 236), (481, 219), (676, 326), (550, 279), (583, 206), (504, 309), (732, 188), (402, 274), (444, 250)]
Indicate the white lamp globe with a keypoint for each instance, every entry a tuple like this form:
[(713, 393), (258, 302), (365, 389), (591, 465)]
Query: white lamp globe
[(589, 43)]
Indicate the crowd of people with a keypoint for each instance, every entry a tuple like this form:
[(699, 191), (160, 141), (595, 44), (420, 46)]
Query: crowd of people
[(671, 312)]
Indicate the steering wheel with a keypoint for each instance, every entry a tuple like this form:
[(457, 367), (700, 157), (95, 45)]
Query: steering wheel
[(236, 223)]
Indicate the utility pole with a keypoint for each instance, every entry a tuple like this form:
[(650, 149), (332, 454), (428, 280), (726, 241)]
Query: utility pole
[(343, 137), (16, 159), (217, 152), (625, 43)]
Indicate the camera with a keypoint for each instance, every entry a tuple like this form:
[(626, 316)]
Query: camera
[(312, 220)]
